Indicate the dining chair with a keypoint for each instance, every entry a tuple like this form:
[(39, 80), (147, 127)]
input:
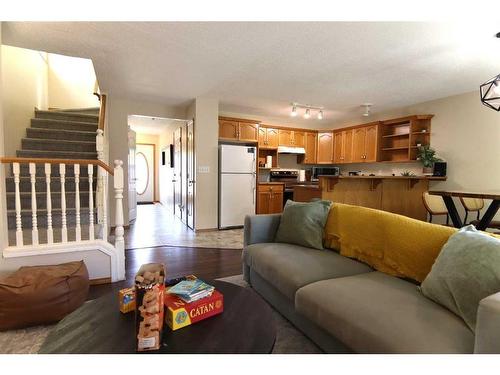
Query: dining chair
[(434, 204), (476, 205)]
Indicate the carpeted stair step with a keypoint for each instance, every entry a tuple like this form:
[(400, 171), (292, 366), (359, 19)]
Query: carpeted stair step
[(55, 154), (88, 111), (66, 135), (68, 116), (40, 123), (41, 186), (54, 171), (57, 145), (41, 200), (27, 220)]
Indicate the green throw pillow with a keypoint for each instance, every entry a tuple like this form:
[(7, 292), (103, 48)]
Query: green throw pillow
[(466, 271), (303, 223)]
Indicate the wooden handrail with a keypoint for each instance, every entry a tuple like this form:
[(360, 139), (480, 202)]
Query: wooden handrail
[(102, 111), (107, 168)]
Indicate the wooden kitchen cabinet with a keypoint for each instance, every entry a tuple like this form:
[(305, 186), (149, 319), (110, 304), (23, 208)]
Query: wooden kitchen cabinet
[(270, 199), (310, 144), (325, 148), (268, 137), (291, 138), (238, 130), (342, 147), (364, 144)]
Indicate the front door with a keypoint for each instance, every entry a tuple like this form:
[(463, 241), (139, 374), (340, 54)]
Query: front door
[(132, 199), (177, 180), (190, 175), (145, 172)]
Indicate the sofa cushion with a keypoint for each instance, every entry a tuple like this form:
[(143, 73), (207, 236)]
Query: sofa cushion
[(290, 267), (303, 223), (378, 313), (466, 271)]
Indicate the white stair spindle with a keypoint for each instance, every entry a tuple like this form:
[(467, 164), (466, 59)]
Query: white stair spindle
[(19, 224), (104, 207), (34, 219), (119, 231), (91, 201), (50, 231), (78, 229), (64, 229)]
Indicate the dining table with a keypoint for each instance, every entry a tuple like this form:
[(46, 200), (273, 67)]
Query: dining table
[(452, 209)]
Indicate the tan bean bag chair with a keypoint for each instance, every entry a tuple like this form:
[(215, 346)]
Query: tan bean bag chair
[(42, 294)]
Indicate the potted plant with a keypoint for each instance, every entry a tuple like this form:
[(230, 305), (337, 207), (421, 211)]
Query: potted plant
[(427, 156)]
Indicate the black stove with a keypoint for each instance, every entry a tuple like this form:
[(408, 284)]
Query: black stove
[(289, 177)]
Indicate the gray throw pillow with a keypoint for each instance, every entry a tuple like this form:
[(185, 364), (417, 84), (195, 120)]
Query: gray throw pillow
[(466, 271), (303, 223)]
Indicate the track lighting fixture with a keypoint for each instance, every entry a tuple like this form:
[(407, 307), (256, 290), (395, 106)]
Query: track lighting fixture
[(307, 113)]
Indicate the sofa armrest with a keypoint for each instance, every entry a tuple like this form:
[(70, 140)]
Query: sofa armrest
[(260, 228), (488, 325)]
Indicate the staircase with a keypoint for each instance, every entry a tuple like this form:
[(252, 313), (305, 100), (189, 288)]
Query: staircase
[(55, 134)]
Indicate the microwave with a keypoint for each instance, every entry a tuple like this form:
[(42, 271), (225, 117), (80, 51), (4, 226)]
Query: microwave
[(324, 171)]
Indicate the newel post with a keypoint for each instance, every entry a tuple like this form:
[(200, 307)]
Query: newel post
[(119, 231)]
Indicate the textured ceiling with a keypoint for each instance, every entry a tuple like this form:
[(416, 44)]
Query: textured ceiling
[(259, 68), (151, 125)]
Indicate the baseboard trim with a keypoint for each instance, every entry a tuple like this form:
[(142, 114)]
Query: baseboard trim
[(207, 230), (102, 280)]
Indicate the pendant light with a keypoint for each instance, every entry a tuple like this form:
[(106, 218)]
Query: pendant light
[(490, 93)]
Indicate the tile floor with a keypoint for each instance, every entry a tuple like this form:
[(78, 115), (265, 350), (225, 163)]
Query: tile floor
[(156, 226)]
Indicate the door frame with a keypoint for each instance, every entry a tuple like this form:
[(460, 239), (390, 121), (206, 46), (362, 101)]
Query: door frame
[(155, 165), (192, 164)]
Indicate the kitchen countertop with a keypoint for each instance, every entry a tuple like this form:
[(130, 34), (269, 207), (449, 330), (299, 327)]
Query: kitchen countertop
[(389, 177)]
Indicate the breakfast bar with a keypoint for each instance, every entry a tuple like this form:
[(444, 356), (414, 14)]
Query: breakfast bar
[(397, 194)]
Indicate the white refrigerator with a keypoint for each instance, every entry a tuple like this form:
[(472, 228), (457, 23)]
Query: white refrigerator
[(237, 184)]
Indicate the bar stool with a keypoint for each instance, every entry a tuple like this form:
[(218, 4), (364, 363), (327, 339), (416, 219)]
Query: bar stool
[(434, 204)]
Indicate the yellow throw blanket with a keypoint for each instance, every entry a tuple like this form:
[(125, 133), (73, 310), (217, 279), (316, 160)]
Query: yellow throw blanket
[(390, 243)]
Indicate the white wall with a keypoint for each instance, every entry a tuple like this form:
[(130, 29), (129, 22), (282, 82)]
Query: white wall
[(25, 86), (205, 112), (71, 82)]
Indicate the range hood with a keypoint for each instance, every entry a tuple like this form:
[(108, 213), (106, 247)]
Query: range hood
[(291, 150)]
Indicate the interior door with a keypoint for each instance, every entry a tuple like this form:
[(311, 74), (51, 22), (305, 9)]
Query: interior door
[(132, 198), (145, 172), (358, 145), (190, 175), (177, 178)]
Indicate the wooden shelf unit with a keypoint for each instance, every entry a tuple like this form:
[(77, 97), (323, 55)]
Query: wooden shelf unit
[(263, 153), (399, 138)]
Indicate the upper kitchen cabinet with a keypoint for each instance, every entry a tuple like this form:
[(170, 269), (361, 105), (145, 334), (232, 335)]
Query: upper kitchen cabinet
[(364, 144), (342, 146), (325, 148), (268, 137), (291, 138), (310, 144), (231, 129)]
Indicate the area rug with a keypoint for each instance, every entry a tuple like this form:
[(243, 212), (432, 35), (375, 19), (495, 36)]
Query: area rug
[(288, 339)]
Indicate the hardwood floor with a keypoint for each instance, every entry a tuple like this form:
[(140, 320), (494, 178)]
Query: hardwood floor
[(205, 263)]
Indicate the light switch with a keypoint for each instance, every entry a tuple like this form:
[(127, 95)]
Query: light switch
[(203, 169)]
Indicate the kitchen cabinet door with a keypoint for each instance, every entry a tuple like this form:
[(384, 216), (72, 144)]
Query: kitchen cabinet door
[(248, 132), (298, 139), (325, 148), (276, 206), (285, 138), (358, 145), (371, 143), (347, 146), (310, 146), (228, 129), (262, 137), (263, 202), (338, 147), (272, 138)]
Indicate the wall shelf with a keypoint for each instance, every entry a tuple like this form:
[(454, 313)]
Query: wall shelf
[(396, 135)]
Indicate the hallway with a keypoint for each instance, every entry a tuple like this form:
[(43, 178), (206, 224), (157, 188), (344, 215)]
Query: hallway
[(156, 226)]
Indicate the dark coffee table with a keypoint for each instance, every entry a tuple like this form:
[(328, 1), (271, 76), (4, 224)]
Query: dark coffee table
[(246, 326)]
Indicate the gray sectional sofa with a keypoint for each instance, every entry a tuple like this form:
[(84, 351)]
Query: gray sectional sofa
[(345, 306)]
